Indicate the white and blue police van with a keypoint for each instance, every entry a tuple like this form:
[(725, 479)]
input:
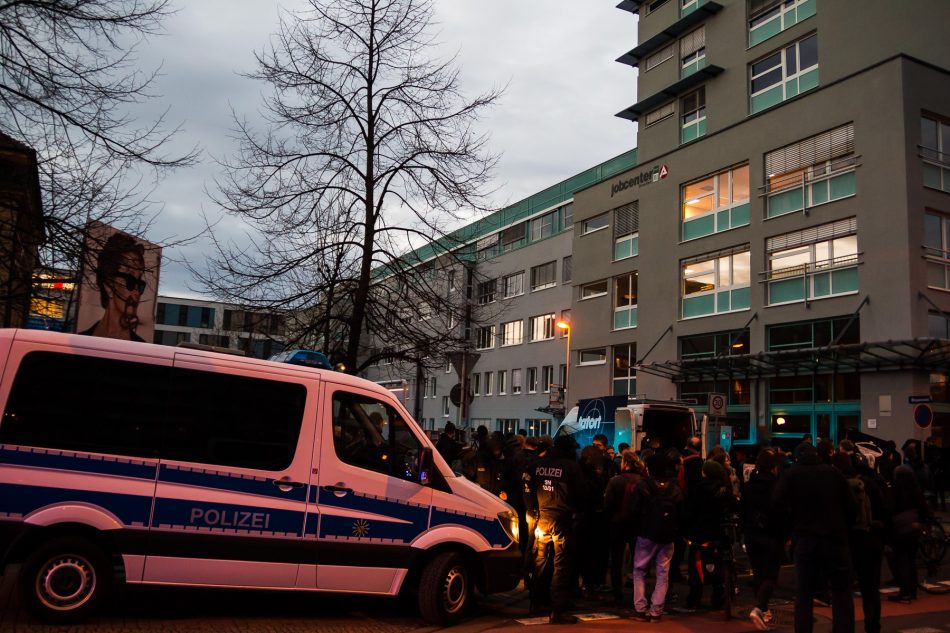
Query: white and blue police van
[(125, 462)]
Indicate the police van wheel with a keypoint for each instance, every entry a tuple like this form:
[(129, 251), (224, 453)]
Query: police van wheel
[(445, 589), (65, 580)]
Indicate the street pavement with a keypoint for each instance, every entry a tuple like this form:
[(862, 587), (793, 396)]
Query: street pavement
[(138, 609)]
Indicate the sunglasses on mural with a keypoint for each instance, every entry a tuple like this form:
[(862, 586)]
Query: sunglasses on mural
[(132, 283)]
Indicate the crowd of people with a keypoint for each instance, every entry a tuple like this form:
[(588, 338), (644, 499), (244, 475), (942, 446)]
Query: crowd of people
[(829, 509)]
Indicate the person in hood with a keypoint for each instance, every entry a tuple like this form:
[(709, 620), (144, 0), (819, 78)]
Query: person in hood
[(710, 506), (658, 509)]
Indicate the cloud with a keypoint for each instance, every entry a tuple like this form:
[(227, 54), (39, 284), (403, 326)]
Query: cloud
[(556, 119)]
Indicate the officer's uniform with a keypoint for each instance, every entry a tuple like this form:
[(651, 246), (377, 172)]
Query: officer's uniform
[(552, 492)]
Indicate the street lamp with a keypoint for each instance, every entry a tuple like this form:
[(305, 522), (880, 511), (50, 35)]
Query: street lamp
[(564, 325)]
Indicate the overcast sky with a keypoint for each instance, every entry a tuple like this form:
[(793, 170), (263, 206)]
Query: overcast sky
[(556, 118)]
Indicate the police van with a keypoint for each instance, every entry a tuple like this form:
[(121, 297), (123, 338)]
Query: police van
[(138, 463)]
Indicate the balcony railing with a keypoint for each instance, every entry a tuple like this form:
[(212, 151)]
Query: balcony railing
[(813, 186), (814, 280)]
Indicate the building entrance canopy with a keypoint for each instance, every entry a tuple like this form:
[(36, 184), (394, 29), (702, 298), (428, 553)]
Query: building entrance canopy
[(923, 354)]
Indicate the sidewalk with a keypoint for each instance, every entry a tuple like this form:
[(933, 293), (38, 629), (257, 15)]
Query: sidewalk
[(928, 614)]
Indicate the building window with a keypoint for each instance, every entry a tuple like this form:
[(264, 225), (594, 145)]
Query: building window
[(537, 427), (938, 325), (514, 285), (935, 150), (502, 382), (544, 226), (486, 291), (489, 383), (811, 334), (566, 317), (485, 337), (716, 285), (445, 406), (543, 276), (596, 289), (164, 337), (732, 343), (547, 378), (532, 380), (477, 384), (507, 425), (513, 237), (716, 203), (215, 340), (784, 74), (625, 374), (515, 381), (811, 172), (654, 5), (768, 18), (450, 285), (937, 250), (625, 301), (487, 247), (693, 117), (657, 58), (512, 333), (660, 114), (688, 6), (626, 230), (567, 216), (542, 327), (596, 224), (693, 51), (818, 262), (597, 356), (566, 272)]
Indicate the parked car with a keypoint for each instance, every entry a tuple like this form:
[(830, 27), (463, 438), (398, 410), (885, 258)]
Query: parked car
[(305, 357)]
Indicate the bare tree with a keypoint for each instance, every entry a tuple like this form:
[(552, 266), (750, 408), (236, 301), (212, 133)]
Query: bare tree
[(68, 84), (370, 149)]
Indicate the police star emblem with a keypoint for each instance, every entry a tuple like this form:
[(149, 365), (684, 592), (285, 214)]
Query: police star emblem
[(361, 528)]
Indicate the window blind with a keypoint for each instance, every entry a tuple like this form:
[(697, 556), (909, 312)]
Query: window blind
[(659, 57), (659, 114), (811, 151), (848, 226), (710, 256), (627, 219), (693, 41)]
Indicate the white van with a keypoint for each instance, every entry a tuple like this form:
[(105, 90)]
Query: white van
[(138, 463)]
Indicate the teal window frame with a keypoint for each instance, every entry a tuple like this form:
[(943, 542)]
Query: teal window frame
[(624, 376), (692, 63), (625, 301), (934, 143), (822, 269), (693, 120), (720, 217), (781, 76), (937, 250), (778, 17), (688, 6), (713, 286), (627, 246), (813, 186)]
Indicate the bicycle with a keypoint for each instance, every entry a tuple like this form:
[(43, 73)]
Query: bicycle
[(931, 549), (730, 578)]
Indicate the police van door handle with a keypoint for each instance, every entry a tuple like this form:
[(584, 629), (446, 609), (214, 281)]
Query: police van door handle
[(285, 484), (340, 489)]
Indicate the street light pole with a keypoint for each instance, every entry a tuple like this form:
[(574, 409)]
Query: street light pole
[(564, 325)]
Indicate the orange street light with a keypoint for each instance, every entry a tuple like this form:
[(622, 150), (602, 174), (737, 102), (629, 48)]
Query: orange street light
[(565, 325)]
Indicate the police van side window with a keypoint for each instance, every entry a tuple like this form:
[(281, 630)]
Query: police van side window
[(372, 435), (86, 404), (228, 420)]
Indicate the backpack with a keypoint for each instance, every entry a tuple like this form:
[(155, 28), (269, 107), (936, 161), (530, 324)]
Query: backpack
[(660, 516), (862, 518), (626, 514)]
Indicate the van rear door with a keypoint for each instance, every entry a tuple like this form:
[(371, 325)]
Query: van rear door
[(231, 500), (371, 504)]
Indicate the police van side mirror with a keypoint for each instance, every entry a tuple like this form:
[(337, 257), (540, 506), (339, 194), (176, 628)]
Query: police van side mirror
[(426, 464)]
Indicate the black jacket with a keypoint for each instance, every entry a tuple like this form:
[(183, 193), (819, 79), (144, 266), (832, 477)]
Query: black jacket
[(711, 504), (552, 487), (818, 500), (756, 511), (652, 495)]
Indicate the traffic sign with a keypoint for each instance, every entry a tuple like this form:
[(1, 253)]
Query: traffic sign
[(455, 395), (923, 415), (717, 404), (918, 399)]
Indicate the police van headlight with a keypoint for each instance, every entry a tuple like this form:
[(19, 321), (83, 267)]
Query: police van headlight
[(509, 521)]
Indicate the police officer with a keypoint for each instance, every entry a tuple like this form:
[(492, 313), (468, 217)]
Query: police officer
[(552, 494)]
